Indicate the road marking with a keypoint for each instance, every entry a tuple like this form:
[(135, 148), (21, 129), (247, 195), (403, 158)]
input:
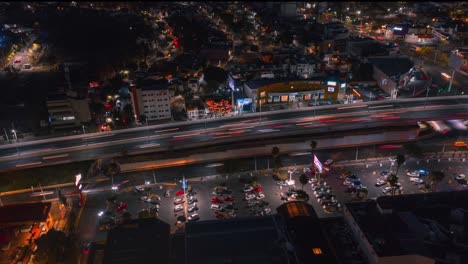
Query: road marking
[(149, 145), (349, 107), (187, 135), (98, 136), (166, 130), (55, 157), (380, 106), (29, 164)]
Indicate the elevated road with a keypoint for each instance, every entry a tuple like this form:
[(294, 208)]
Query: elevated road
[(257, 126)]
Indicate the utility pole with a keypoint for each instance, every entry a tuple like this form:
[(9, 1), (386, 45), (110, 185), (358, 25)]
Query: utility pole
[(154, 176), (451, 81), (6, 135)]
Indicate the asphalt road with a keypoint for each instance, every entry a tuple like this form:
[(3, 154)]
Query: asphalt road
[(260, 125)]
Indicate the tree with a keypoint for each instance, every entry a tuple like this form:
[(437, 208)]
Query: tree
[(276, 157), (303, 179), (413, 149), (112, 169), (216, 74), (50, 247), (400, 159), (392, 180), (435, 177)]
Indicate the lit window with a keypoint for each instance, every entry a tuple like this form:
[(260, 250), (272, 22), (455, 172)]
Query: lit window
[(317, 251)]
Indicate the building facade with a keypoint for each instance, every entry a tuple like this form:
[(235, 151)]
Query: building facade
[(152, 100)]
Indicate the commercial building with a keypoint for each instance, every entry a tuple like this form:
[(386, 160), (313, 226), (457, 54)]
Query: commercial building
[(65, 112), (417, 228), (151, 98), (273, 91), (138, 241), (391, 73)]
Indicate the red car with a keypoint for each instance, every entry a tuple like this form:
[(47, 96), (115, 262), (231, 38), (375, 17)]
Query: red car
[(179, 193), (257, 190), (216, 200), (17, 61), (219, 216), (121, 207), (229, 199)]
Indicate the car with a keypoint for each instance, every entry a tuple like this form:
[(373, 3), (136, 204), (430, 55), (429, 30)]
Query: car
[(218, 192), (191, 193), (248, 189), (416, 180), (17, 61), (216, 207), (257, 190), (179, 193), (139, 189), (178, 201), (313, 181), (460, 177), (193, 217), (260, 196), (122, 206), (249, 196), (347, 183), (282, 183), (229, 199), (219, 216), (143, 198), (387, 190), (263, 203), (328, 162), (230, 207), (86, 248), (216, 200), (414, 173), (192, 201), (266, 210), (178, 208), (380, 182), (192, 208), (384, 173), (423, 173)]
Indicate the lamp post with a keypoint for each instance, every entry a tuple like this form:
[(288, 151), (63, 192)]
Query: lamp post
[(16, 140)]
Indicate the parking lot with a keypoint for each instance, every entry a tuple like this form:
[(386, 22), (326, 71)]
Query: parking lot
[(233, 186)]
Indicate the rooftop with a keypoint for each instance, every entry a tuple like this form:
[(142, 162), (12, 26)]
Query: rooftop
[(392, 65), (15, 213)]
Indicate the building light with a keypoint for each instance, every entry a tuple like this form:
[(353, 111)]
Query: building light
[(331, 83), (317, 251)]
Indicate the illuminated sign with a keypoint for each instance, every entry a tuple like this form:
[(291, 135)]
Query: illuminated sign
[(331, 83), (77, 179), (343, 85), (318, 164), (397, 28), (262, 94), (307, 97), (284, 98), (331, 89), (68, 118)]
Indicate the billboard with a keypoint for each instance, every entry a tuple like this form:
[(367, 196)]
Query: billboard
[(318, 164)]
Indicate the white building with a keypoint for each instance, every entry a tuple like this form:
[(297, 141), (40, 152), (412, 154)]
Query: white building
[(196, 110), (152, 100)]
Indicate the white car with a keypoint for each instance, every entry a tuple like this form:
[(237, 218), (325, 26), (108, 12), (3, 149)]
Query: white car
[(193, 217), (249, 196), (248, 189), (416, 180), (178, 208), (266, 210), (282, 183), (260, 196), (414, 173), (140, 188), (380, 182), (313, 181), (215, 207), (460, 177)]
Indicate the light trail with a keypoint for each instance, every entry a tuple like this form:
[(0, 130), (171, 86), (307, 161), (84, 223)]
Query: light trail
[(350, 107), (28, 164), (167, 130), (101, 136), (379, 106), (55, 157)]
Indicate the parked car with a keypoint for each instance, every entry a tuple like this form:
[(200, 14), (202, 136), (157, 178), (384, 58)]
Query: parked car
[(266, 210), (216, 200), (260, 196), (414, 173), (178, 208), (178, 201), (328, 162), (122, 206), (191, 193), (380, 182), (282, 183), (216, 207), (249, 196), (140, 189), (257, 190), (416, 180), (218, 192), (179, 193), (248, 189), (229, 199), (384, 173), (192, 201), (263, 203), (193, 217), (192, 208)]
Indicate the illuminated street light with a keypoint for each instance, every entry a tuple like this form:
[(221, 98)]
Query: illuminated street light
[(358, 12), (100, 213)]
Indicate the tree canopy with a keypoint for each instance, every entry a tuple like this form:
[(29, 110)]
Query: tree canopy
[(216, 74)]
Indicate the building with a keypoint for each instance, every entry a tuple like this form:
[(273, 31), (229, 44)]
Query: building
[(256, 240), (417, 228), (305, 233), (194, 84), (138, 241), (196, 110), (273, 91), (391, 72), (151, 98), (21, 224), (65, 112), (363, 47)]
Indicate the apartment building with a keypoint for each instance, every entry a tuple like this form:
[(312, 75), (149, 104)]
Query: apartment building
[(151, 99)]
